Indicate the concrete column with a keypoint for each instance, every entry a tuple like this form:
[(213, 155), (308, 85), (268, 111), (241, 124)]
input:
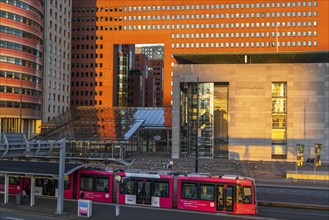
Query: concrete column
[(60, 199), (6, 196), (32, 197)]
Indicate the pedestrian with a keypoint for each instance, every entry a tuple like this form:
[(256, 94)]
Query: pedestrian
[(27, 190)]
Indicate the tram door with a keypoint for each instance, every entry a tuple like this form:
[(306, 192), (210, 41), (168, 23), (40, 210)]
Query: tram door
[(143, 192), (225, 198), (49, 187)]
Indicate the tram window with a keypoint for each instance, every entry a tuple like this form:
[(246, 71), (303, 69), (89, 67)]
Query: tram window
[(67, 183), (229, 198), (220, 197), (2, 180), (161, 189), (86, 183), (206, 192), (247, 197), (240, 193), (14, 180), (38, 182), (244, 194), (189, 191), (128, 187), (101, 184), (94, 183)]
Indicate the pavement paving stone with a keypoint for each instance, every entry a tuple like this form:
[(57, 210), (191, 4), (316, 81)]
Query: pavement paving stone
[(266, 169)]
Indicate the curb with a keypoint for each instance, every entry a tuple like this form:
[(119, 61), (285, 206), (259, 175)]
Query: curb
[(275, 185), (293, 205)]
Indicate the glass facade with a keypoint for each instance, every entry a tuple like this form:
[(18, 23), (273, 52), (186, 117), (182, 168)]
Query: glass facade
[(210, 113), (111, 132), (122, 80), (279, 117)]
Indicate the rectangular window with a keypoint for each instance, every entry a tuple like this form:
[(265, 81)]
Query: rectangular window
[(279, 114), (207, 192), (161, 189), (189, 191), (94, 183), (127, 187), (244, 194)]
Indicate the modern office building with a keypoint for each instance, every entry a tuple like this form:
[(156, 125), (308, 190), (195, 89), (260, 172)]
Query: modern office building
[(57, 58), (191, 26), (155, 70), (21, 65), (136, 81), (251, 106), (151, 51), (286, 42)]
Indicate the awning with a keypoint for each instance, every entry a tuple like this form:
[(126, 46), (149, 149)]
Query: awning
[(25, 168)]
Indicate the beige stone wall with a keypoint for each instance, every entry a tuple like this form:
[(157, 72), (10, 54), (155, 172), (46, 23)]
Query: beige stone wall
[(250, 106)]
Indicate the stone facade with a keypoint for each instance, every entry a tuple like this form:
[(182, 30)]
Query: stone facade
[(250, 106)]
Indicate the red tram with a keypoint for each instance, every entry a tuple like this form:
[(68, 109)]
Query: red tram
[(146, 188), (16, 184), (164, 189), (95, 185), (228, 194)]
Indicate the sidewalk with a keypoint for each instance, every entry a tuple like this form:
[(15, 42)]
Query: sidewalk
[(261, 171)]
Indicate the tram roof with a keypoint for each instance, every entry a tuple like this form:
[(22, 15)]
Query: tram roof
[(15, 167), (109, 124)]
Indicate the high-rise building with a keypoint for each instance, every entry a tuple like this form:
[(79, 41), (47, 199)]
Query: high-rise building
[(190, 27), (124, 58), (21, 65), (137, 77), (151, 51), (57, 58), (155, 70)]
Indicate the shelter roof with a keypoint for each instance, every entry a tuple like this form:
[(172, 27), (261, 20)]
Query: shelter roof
[(36, 168), (104, 124)]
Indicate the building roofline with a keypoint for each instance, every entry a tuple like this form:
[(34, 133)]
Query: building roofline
[(252, 58)]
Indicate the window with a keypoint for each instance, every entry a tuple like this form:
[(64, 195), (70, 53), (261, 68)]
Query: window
[(279, 113), (127, 187), (207, 192), (244, 194), (161, 189), (189, 191), (94, 183)]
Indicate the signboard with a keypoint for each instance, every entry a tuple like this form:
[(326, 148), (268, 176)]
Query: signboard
[(317, 161), (157, 137), (300, 154), (84, 208)]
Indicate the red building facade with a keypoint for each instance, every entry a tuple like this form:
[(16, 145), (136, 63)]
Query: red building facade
[(21, 36)]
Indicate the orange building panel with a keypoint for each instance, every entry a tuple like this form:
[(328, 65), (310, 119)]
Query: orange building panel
[(188, 27)]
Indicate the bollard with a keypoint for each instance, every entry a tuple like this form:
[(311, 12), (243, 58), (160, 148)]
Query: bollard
[(117, 210)]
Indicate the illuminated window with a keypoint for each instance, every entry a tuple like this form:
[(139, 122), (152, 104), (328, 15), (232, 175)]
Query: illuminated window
[(279, 104)]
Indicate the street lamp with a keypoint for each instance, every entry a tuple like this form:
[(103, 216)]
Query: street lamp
[(198, 136), (20, 109)]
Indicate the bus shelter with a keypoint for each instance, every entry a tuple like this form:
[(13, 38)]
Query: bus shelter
[(24, 174)]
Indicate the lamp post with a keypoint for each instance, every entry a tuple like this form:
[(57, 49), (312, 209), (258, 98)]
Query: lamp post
[(198, 136), (20, 110), (117, 207)]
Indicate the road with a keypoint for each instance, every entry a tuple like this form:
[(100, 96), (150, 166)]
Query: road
[(290, 195), (108, 212), (20, 216), (292, 214)]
